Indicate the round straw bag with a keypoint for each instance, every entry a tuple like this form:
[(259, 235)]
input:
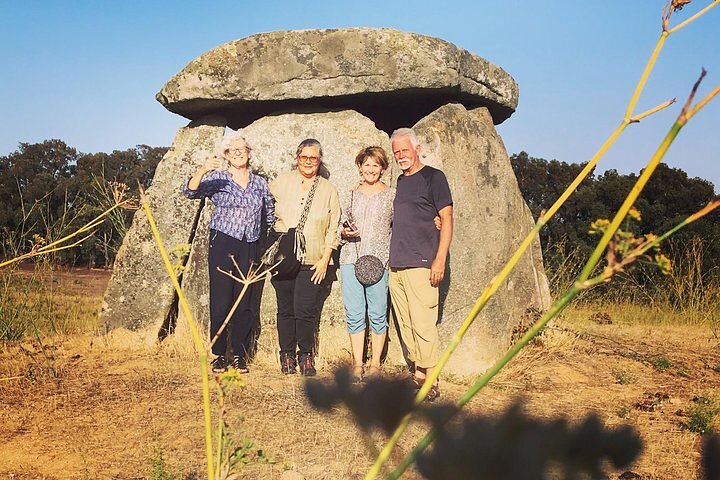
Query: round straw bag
[(369, 269)]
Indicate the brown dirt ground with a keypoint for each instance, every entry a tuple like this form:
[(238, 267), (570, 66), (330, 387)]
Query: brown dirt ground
[(99, 407)]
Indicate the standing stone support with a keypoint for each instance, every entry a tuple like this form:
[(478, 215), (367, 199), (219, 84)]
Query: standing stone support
[(491, 219), (140, 293)]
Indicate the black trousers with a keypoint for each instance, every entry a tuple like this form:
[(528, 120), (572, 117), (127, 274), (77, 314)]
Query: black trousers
[(224, 291), (297, 316)]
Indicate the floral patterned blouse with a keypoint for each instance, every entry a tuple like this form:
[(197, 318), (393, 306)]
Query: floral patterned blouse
[(372, 215)]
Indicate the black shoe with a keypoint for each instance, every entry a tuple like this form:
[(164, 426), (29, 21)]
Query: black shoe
[(219, 365), (307, 364), (287, 363), (239, 364)]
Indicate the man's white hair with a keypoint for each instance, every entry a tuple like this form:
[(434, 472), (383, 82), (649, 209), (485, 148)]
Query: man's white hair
[(405, 132)]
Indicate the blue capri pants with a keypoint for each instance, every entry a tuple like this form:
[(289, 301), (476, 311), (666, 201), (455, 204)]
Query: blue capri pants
[(357, 297)]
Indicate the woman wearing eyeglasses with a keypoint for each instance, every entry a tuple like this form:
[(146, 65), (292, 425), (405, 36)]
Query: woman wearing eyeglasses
[(298, 297), (241, 198)]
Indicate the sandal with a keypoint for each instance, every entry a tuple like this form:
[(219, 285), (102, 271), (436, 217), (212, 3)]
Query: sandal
[(357, 374), (433, 394), (417, 382)]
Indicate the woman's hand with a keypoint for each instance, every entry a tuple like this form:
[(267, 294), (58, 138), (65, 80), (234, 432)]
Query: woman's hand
[(348, 232), (212, 163), (319, 270)]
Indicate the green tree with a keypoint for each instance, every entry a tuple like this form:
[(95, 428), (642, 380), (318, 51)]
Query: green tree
[(669, 197), (33, 173), (49, 188)]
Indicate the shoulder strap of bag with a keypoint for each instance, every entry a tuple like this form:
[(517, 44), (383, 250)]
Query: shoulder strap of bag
[(308, 203), (299, 236), (351, 217)]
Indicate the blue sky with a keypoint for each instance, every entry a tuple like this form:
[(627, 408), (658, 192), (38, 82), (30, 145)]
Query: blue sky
[(87, 71)]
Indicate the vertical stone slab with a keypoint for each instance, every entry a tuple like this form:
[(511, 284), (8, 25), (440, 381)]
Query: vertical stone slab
[(140, 293), (196, 283), (491, 219)]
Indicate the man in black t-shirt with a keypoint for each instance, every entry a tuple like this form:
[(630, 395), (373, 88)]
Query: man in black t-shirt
[(418, 253)]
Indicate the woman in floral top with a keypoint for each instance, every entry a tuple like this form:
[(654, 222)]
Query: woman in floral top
[(366, 230)]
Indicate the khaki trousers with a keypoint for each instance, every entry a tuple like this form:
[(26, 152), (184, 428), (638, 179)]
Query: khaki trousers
[(415, 303)]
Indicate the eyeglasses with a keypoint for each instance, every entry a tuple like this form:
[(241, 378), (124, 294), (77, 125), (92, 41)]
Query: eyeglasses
[(307, 159), (237, 151)]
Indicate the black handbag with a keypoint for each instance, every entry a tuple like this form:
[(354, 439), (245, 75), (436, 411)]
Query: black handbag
[(287, 249), (282, 250)]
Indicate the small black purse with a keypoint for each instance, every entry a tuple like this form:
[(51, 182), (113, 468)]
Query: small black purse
[(282, 252)]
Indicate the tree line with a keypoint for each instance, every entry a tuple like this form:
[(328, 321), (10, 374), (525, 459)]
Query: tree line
[(669, 197), (49, 189)]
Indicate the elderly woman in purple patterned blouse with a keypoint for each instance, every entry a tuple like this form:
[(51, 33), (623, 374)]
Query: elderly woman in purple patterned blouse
[(240, 198)]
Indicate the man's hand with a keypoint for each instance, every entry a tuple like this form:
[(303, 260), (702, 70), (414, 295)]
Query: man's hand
[(437, 271), (437, 222)]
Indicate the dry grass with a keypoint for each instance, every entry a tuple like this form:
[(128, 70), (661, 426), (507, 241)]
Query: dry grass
[(99, 407), (41, 301)]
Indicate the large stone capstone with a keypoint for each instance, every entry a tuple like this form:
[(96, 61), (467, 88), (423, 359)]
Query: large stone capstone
[(392, 77)]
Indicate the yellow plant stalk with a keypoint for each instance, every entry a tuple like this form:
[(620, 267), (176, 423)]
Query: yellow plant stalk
[(685, 115), (495, 283), (60, 244), (193, 330), (583, 281), (254, 275)]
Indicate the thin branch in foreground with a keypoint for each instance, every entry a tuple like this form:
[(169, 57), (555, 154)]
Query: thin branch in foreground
[(583, 282)]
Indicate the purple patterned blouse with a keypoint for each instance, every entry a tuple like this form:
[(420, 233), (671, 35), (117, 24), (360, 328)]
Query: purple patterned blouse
[(238, 211)]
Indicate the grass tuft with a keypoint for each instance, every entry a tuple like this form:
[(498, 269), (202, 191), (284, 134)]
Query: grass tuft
[(158, 467), (661, 363), (624, 378), (701, 415)]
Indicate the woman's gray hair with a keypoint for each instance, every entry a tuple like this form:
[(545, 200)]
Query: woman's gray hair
[(309, 142), (405, 132), (230, 138)]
